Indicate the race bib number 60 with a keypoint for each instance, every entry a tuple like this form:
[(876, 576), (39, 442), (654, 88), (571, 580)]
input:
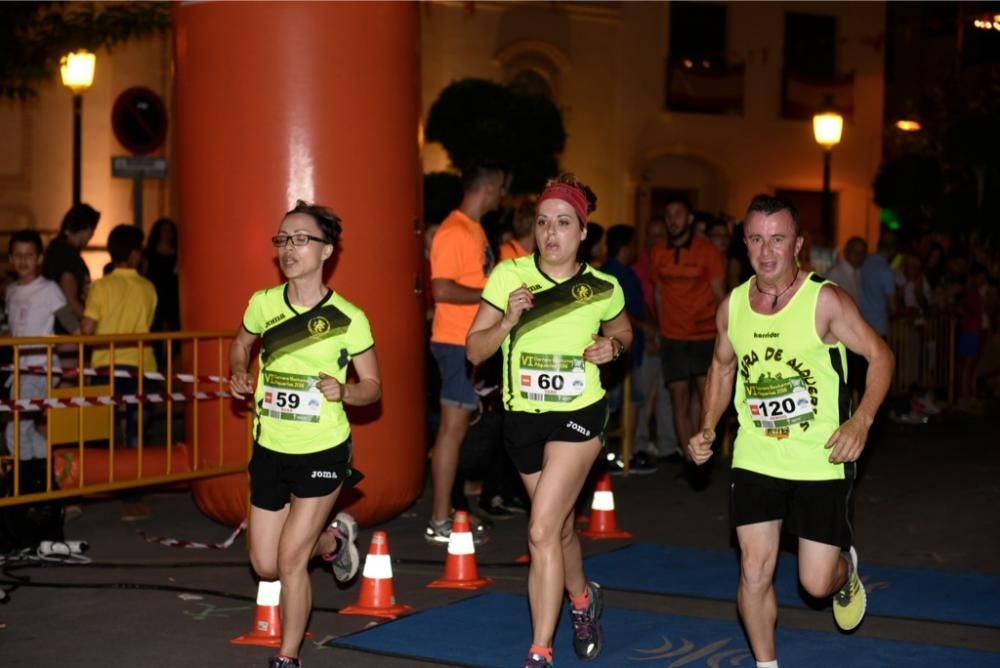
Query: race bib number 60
[(290, 396), (559, 378)]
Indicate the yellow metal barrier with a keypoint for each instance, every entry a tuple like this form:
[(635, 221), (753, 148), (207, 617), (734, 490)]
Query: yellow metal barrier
[(925, 354), (86, 415)]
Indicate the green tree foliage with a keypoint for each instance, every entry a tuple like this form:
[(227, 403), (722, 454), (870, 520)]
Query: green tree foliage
[(35, 35), (909, 182), (476, 118)]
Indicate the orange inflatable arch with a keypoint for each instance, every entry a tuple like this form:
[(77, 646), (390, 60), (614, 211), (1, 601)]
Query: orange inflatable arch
[(317, 101)]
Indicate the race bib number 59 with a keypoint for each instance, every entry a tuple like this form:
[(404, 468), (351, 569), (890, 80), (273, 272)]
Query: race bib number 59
[(290, 396), (559, 378)]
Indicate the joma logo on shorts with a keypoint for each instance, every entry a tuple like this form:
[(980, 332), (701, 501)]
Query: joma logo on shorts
[(578, 428), (324, 474)]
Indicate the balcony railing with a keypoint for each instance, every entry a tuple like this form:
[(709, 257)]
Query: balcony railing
[(802, 97), (704, 86)]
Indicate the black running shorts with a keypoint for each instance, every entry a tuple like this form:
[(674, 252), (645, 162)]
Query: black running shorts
[(684, 360), (276, 476), (817, 510), (526, 433)]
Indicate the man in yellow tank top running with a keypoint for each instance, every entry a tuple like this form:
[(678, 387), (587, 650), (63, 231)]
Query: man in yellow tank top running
[(782, 341)]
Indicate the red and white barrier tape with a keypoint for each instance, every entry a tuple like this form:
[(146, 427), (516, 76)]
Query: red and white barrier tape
[(29, 405), (119, 373), (190, 544)]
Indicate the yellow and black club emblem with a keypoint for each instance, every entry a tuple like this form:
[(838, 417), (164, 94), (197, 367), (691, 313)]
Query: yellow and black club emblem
[(319, 327), (582, 292)]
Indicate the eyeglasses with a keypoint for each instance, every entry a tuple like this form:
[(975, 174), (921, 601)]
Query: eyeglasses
[(281, 240)]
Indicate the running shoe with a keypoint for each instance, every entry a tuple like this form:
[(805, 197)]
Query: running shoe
[(495, 508), (642, 463), (439, 533), (850, 602), (536, 661), (345, 560), (283, 662), (588, 636)]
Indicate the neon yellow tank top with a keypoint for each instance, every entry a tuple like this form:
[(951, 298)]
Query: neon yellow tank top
[(791, 387)]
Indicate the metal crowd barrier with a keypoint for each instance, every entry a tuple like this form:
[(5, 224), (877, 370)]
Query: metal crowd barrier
[(925, 354), (79, 415)]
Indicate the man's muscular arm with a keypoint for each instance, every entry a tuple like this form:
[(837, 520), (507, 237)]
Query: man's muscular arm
[(838, 320), (718, 388)]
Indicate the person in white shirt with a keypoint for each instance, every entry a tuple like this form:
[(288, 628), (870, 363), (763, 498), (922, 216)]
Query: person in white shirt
[(32, 305), (847, 272)]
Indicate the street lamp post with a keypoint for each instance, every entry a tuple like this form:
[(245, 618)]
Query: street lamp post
[(77, 70), (828, 126)]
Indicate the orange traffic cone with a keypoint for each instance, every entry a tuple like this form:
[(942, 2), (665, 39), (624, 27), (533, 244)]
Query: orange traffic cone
[(603, 522), (460, 570), (377, 598), (267, 621)]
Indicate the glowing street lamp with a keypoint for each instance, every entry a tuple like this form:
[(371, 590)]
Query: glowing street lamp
[(77, 70), (828, 126)]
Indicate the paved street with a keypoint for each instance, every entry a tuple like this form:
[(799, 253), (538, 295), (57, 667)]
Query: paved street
[(927, 497)]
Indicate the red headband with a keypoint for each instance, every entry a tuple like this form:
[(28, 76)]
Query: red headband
[(570, 195)]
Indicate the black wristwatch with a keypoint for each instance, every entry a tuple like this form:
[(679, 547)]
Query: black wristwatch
[(619, 349)]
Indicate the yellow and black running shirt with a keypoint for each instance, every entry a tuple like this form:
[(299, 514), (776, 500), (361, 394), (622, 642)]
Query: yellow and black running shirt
[(543, 365), (791, 387), (292, 416)]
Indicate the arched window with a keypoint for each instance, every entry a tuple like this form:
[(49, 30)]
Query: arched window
[(533, 66)]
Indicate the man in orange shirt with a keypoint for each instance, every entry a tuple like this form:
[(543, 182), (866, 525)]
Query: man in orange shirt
[(461, 260), (689, 274)]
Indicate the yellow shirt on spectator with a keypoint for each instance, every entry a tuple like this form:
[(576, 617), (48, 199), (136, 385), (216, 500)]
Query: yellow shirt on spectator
[(122, 302)]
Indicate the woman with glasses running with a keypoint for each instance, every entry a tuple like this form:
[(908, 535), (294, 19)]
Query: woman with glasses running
[(302, 439), (553, 335)]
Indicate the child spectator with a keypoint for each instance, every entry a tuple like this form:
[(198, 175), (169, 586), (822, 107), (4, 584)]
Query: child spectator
[(123, 302), (32, 305)]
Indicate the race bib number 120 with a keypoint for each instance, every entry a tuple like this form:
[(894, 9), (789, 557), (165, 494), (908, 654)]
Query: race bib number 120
[(779, 402), (290, 396), (559, 378)]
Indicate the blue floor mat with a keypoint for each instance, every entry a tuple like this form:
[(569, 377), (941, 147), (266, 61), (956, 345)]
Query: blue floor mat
[(893, 591), (494, 630)]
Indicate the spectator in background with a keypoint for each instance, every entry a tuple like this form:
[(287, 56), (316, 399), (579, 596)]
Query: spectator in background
[(847, 272), (934, 266), (123, 302), (33, 305), (461, 259), (64, 266), (971, 332), (690, 283), (160, 267), (523, 242), (738, 252), (655, 398), (878, 285), (593, 250), (720, 236), (622, 251)]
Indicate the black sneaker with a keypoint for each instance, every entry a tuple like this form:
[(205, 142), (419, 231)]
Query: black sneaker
[(588, 637), (495, 508), (642, 463), (283, 662), (516, 504)]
